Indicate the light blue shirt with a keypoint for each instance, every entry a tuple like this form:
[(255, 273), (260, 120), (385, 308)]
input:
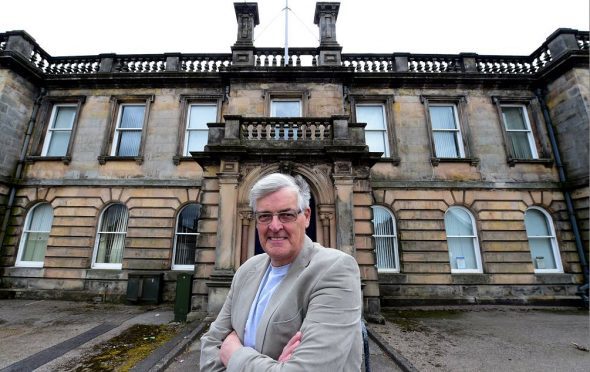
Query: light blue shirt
[(271, 280)]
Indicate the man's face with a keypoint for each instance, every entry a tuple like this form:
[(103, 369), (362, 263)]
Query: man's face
[(282, 241)]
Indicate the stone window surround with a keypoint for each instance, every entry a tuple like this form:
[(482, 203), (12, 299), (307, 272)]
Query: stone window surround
[(387, 101), (44, 117), (533, 110), (185, 101), (459, 102), (116, 102), (300, 94)]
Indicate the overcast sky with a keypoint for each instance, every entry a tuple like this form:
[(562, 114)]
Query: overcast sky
[(83, 27)]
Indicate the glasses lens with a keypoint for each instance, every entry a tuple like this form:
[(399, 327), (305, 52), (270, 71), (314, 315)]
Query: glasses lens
[(264, 217), (287, 217)]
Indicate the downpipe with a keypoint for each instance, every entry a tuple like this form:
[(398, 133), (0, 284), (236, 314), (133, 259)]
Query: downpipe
[(20, 165), (582, 289)]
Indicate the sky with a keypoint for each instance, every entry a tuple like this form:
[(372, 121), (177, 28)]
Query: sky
[(490, 27)]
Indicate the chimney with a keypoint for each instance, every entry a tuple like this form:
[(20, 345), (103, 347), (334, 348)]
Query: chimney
[(247, 18), (325, 17)]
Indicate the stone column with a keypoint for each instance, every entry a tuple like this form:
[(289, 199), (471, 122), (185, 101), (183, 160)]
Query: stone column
[(243, 49), (343, 187), (325, 17), (222, 275)]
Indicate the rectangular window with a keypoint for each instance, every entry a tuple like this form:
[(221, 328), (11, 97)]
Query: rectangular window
[(59, 130), (519, 135), (446, 133), (196, 127), (376, 130), (285, 108), (127, 137)]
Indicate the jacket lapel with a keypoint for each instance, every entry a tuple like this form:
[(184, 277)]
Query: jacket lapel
[(280, 293), (250, 284)]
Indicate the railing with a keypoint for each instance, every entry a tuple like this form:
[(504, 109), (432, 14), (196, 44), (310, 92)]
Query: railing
[(441, 63), (368, 62), (583, 40), (3, 40), (302, 130), (205, 62), (139, 63), (275, 57)]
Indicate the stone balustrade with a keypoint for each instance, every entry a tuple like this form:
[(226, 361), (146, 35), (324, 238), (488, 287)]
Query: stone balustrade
[(561, 42), (286, 129)]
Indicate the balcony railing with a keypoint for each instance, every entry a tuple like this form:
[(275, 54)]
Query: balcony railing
[(286, 129), (299, 58)]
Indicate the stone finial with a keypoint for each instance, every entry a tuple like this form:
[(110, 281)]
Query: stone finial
[(247, 17), (325, 17)]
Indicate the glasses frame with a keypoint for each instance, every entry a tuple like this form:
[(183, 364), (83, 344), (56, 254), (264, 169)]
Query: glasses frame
[(280, 214)]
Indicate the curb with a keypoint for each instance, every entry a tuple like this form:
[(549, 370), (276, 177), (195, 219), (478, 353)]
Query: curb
[(404, 364), (162, 357)]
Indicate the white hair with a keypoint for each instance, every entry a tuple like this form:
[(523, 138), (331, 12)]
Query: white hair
[(277, 181)]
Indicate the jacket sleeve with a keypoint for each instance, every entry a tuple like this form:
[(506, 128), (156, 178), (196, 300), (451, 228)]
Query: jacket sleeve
[(212, 339), (331, 329)]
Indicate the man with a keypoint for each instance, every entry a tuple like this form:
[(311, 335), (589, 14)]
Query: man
[(295, 308)]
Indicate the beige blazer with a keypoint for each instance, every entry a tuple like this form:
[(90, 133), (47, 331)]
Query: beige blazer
[(320, 295)]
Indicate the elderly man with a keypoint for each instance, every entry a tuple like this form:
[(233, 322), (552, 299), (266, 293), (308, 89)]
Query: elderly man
[(295, 308)]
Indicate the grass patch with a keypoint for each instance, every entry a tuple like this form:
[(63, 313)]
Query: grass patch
[(124, 351)]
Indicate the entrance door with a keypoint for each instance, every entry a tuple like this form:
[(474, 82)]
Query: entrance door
[(311, 230)]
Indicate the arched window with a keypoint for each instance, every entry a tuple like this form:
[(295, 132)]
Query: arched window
[(33, 242), (110, 240), (462, 240), (542, 241), (385, 235), (185, 238)]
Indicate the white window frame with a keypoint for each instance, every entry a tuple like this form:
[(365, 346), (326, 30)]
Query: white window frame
[(274, 101), (118, 129), (102, 265), (176, 234), (185, 151), (391, 250), (553, 241), (458, 135), (25, 235), (528, 130), (384, 131), (473, 237), (51, 129)]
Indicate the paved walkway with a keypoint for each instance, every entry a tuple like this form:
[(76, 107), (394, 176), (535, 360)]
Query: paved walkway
[(54, 335)]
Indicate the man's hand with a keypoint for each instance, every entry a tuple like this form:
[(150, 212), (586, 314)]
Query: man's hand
[(290, 347), (230, 344)]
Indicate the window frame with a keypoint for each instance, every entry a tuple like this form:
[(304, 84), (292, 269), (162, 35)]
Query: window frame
[(186, 100), (25, 234), (103, 265), (552, 239), (46, 117), (111, 135), (537, 139), (301, 95), (475, 243), (275, 101), (184, 267), (395, 249), (463, 137), (387, 102)]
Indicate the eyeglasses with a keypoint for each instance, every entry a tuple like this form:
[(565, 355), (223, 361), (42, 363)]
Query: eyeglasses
[(265, 218)]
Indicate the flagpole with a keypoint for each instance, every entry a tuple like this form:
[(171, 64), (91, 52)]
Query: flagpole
[(286, 32)]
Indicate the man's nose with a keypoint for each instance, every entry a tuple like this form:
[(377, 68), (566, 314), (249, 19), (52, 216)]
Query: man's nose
[(275, 224)]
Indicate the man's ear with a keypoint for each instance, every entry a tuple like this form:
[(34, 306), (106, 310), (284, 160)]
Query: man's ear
[(307, 214)]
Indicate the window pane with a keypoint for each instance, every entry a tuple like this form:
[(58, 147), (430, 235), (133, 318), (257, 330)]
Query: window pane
[(385, 252), (112, 234), (197, 140), (286, 108), (442, 117), (36, 233), (64, 118), (542, 253), (462, 253), (536, 223), (186, 243), (519, 142), (385, 238), (188, 219), (129, 142), (376, 141), (372, 115), (513, 118), (458, 223), (132, 117), (200, 115), (59, 143), (445, 144), (185, 249)]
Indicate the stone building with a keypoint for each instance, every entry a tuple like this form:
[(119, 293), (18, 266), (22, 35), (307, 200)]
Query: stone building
[(450, 178)]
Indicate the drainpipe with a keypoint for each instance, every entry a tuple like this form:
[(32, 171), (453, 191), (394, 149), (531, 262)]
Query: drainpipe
[(19, 168), (583, 289)]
